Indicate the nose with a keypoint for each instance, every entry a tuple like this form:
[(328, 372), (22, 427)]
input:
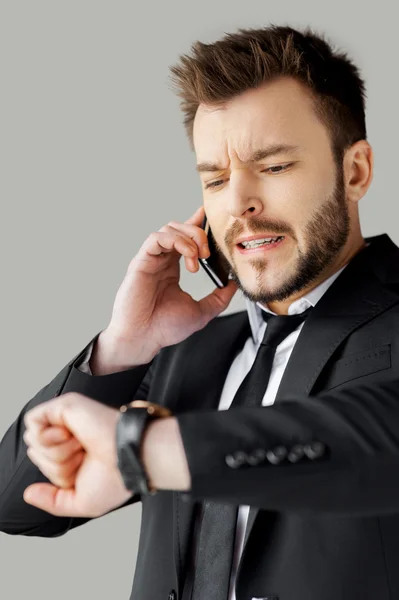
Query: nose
[(246, 209), (244, 196)]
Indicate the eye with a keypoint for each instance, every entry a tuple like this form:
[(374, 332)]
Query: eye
[(269, 169)]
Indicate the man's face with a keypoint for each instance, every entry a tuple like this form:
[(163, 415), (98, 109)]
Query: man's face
[(301, 196)]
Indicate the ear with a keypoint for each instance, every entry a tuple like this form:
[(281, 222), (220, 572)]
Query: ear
[(358, 169)]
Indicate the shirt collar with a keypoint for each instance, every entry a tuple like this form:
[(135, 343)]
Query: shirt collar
[(254, 309)]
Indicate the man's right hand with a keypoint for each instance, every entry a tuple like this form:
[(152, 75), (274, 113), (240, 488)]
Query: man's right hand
[(151, 311)]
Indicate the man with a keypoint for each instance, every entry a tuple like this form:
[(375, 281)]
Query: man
[(276, 119)]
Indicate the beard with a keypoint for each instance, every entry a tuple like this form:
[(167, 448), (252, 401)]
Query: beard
[(326, 234)]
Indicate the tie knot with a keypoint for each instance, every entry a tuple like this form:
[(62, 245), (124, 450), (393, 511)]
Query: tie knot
[(279, 326)]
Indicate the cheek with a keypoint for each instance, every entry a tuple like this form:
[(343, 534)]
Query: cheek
[(298, 202), (217, 222), (220, 240)]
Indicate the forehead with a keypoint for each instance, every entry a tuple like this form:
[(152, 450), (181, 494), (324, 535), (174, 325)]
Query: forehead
[(278, 112)]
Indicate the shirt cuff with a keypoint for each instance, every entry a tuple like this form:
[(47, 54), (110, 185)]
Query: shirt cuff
[(83, 364)]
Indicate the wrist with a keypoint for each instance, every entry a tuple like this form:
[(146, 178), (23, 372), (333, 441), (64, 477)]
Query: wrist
[(163, 455), (112, 355)]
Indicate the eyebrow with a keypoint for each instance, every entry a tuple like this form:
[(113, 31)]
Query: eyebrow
[(258, 155)]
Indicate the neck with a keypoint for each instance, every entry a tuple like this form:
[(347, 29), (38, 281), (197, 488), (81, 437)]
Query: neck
[(281, 308)]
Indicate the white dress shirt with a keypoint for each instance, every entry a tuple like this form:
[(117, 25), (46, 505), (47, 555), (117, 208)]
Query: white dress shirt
[(241, 366), (239, 369)]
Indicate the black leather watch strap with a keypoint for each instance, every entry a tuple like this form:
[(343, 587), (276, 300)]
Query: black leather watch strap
[(129, 434)]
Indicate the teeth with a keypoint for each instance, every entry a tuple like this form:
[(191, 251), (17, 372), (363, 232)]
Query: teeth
[(254, 243)]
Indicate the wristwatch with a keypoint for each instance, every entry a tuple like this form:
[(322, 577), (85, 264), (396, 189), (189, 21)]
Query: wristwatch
[(130, 429)]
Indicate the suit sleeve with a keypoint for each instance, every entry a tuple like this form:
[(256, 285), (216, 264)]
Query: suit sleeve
[(336, 452), (17, 471)]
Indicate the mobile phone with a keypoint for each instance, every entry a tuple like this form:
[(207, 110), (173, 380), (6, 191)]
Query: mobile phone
[(214, 264)]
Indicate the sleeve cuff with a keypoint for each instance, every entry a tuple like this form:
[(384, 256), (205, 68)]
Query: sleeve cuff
[(113, 389)]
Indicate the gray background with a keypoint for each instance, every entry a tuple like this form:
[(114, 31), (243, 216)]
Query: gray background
[(94, 158)]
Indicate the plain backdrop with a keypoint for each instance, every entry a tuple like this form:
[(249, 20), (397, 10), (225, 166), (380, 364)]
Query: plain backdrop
[(94, 157)]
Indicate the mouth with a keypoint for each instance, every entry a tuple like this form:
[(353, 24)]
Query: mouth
[(265, 246)]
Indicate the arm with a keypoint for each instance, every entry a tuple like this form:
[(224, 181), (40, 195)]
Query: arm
[(17, 471), (357, 474)]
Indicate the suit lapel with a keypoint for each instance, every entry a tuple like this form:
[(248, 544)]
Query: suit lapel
[(355, 297)]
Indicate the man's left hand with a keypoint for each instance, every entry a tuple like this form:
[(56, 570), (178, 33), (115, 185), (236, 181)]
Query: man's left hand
[(95, 485)]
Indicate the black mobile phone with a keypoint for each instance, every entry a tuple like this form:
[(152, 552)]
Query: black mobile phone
[(214, 264)]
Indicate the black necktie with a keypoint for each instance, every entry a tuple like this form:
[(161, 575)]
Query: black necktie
[(215, 546)]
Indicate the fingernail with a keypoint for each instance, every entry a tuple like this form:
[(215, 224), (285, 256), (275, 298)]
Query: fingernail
[(205, 249)]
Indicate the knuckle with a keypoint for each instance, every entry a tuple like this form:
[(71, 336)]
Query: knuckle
[(181, 236)]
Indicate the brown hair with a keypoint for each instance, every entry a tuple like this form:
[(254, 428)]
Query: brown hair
[(239, 61)]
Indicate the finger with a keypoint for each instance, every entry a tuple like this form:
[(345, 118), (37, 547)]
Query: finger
[(159, 243), (162, 243), (215, 302), (35, 422), (58, 453), (59, 474), (54, 435), (48, 413), (48, 437), (58, 502), (198, 217), (191, 233), (194, 238), (53, 469)]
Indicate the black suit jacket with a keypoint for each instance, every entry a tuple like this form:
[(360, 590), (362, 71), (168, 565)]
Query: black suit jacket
[(325, 528)]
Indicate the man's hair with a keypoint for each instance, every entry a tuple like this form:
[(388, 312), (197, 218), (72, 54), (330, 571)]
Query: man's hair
[(240, 61)]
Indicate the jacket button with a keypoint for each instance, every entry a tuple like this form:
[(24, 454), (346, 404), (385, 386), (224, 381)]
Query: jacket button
[(232, 462), (277, 455), (172, 595), (237, 459), (280, 451), (241, 457), (296, 453), (256, 457), (314, 450)]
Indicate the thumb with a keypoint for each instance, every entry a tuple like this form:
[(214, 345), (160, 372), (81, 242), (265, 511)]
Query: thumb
[(50, 498), (215, 302)]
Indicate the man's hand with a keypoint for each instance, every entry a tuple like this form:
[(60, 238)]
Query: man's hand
[(83, 469)]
